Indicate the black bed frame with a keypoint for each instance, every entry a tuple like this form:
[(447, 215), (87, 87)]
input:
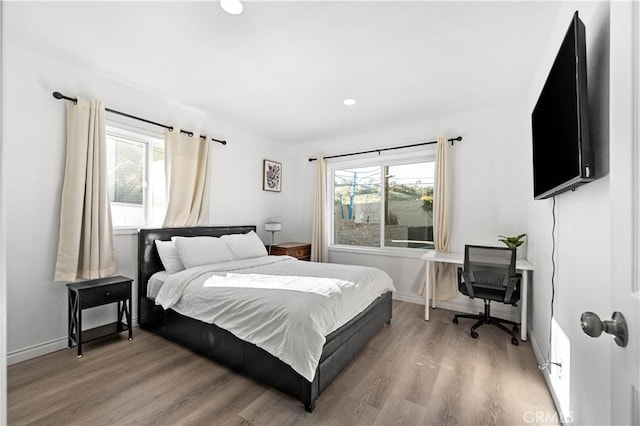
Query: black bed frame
[(220, 345)]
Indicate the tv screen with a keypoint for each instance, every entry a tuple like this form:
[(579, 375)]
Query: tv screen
[(562, 156)]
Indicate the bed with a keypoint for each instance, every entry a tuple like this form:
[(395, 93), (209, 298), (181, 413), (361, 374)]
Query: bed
[(340, 346)]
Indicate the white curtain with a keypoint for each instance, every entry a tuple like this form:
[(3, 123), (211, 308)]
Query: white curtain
[(319, 244), (187, 176), (85, 244), (446, 282), (445, 274)]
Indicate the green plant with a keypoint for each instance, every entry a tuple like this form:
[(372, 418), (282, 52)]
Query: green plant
[(427, 202), (512, 242)]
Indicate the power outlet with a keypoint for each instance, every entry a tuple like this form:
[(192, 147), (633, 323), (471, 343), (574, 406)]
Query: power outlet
[(557, 369)]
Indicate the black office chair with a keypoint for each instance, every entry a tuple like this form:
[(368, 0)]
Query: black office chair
[(489, 273)]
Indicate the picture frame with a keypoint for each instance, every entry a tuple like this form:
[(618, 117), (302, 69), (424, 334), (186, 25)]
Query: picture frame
[(271, 176)]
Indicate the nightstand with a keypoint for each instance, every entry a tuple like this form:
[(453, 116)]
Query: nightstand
[(91, 293), (301, 251)]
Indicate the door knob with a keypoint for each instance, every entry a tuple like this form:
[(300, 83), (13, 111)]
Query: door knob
[(593, 326)]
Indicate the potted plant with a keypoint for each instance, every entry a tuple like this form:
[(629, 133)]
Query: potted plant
[(513, 243)]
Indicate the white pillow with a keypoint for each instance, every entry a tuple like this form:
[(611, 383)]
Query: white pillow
[(245, 246), (196, 251), (169, 256)]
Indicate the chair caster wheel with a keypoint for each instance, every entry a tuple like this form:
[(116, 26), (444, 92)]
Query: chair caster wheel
[(474, 334), (455, 320), (515, 341)]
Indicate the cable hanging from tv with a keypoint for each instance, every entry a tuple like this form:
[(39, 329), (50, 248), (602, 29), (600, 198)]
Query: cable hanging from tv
[(379, 150), (59, 95)]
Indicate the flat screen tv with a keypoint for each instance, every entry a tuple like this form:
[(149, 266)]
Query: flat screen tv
[(562, 156)]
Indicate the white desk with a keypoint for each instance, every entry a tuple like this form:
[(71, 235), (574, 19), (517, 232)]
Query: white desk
[(522, 266)]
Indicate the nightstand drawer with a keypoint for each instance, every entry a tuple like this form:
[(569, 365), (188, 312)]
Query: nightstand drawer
[(301, 251), (102, 295)]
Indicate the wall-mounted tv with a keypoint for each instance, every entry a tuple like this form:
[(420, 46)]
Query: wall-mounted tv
[(562, 156)]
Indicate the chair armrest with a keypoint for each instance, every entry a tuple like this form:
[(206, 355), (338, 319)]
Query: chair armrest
[(465, 277), (512, 285)]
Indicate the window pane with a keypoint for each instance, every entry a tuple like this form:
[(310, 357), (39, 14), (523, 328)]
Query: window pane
[(125, 164), (409, 205), (126, 168), (136, 178), (357, 206)]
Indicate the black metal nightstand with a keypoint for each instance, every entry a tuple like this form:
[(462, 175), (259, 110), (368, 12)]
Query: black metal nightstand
[(90, 293)]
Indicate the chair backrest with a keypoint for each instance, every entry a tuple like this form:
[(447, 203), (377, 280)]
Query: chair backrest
[(490, 267)]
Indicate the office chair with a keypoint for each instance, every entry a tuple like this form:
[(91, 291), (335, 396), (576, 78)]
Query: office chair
[(489, 273)]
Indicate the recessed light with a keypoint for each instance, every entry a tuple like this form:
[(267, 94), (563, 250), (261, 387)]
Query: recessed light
[(232, 7), (349, 102)]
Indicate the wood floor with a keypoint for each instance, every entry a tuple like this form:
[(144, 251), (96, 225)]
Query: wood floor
[(412, 372)]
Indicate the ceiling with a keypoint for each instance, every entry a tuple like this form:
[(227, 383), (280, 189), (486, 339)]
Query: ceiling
[(282, 69)]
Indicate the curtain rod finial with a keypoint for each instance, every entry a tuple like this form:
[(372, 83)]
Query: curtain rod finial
[(457, 139), (58, 95)]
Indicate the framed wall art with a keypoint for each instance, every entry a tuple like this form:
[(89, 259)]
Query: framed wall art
[(271, 176)]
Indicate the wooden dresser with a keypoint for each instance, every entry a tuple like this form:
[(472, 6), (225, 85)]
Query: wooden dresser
[(301, 251)]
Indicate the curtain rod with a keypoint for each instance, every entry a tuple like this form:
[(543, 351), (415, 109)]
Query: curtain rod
[(452, 140), (59, 95)]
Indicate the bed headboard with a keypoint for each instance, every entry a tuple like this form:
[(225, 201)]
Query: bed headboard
[(148, 260)]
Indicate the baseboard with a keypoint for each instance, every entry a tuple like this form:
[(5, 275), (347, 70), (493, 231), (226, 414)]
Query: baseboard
[(411, 298), (19, 355), (34, 351), (463, 305), (467, 306)]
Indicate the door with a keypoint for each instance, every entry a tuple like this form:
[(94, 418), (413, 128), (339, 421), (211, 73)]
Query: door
[(625, 207)]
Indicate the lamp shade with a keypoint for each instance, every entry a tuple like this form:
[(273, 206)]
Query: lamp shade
[(272, 226)]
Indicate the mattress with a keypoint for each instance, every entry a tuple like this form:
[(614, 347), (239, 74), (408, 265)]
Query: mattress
[(289, 316)]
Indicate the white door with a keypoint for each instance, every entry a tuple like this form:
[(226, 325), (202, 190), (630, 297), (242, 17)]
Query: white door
[(625, 207)]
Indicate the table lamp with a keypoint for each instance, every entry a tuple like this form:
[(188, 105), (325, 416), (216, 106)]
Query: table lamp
[(272, 227)]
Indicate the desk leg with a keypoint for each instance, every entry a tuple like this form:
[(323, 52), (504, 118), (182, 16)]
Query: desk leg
[(433, 285), (524, 292), (427, 289)]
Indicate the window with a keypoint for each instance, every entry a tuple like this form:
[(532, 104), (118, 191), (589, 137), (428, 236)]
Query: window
[(136, 179), (388, 204)]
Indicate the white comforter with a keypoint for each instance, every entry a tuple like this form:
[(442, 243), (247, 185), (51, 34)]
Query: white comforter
[(289, 316)]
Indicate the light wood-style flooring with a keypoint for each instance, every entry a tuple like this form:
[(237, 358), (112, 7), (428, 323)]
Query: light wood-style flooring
[(412, 372)]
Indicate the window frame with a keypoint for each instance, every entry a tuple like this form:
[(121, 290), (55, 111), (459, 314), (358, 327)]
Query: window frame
[(426, 154), (151, 140)]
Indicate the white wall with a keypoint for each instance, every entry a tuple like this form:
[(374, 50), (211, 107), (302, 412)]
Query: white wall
[(3, 281), (582, 232), (489, 186), (33, 162)]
